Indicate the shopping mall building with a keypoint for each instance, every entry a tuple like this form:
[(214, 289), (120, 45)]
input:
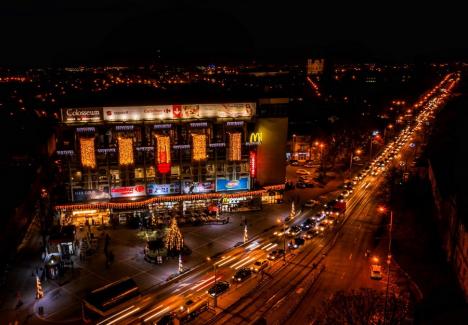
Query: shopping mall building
[(168, 160)]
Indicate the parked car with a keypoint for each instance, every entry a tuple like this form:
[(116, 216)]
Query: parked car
[(242, 275), (309, 234), (294, 231), (259, 265), (218, 288), (376, 272)]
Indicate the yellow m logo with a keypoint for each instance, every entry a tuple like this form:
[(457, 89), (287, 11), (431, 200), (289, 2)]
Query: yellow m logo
[(256, 137)]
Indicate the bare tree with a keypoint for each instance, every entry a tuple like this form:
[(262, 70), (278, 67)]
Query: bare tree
[(364, 306)]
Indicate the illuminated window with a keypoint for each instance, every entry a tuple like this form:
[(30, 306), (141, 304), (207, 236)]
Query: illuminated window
[(234, 152), (125, 151), (88, 156), (198, 147)]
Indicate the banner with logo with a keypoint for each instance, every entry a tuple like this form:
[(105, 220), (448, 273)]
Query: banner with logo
[(223, 184), (128, 191), (175, 112), (163, 189), (189, 187), (80, 195), (83, 114)]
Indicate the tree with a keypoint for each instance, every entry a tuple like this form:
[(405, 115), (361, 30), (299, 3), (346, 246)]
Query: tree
[(363, 306), (174, 240)]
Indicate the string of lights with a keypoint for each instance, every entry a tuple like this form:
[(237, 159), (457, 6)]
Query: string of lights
[(198, 147), (163, 149), (234, 152), (88, 156), (174, 239), (125, 151)]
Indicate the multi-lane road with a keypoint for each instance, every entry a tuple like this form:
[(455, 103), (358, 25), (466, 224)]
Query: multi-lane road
[(291, 290)]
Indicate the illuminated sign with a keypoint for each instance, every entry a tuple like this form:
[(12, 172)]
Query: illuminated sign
[(80, 195), (128, 191), (84, 114), (232, 185), (189, 187), (253, 164), (163, 189), (256, 137)]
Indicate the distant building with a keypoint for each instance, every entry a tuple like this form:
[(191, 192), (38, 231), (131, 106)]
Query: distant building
[(315, 66)]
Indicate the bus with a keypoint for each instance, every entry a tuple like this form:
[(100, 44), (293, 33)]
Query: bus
[(109, 299)]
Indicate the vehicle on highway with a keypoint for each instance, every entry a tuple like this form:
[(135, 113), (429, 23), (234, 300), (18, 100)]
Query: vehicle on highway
[(259, 265), (297, 242), (294, 163), (309, 234), (307, 224), (219, 288), (301, 171), (294, 231), (190, 310), (376, 272), (312, 203), (281, 232), (242, 275), (276, 254)]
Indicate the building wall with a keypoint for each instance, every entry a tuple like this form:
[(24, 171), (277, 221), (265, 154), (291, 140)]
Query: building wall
[(271, 154)]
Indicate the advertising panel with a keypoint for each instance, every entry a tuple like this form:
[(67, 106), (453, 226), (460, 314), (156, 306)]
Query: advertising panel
[(80, 195), (83, 114), (189, 187), (223, 184), (128, 191), (253, 164), (176, 112), (163, 189)]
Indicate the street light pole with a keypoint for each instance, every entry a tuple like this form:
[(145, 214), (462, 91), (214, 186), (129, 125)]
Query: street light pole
[(388, 265)]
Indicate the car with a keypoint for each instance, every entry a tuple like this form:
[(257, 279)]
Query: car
[(308, 165), (309, 234), (296, 243), (242, 275), (311, 203), (219, 288), (276, 254), (301, 171), (281, 232), (376, 272), (259, 265), (294, 231), (306, 225), (294, 162)]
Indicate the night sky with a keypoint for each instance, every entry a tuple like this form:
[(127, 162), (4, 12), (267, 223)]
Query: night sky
[(64, 31)]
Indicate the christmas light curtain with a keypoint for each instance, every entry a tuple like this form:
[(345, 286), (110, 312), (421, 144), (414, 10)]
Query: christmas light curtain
[(198, 147), (125, 151), (234, 151), (88, 156), (163, 149)]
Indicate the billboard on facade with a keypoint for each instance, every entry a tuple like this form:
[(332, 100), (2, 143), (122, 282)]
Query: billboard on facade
[(163, 189), (82, 114), (189, 187), (178, 112), (128, 191), (223, 184), (82, 195)]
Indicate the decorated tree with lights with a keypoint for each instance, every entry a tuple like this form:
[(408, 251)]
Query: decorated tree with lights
[(174, 240), (292, 213), (246, 236)]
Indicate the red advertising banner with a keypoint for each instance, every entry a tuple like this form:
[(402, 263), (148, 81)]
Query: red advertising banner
[(253, 164)]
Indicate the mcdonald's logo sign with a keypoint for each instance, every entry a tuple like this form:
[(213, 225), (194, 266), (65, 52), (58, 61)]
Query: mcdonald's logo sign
[(256, 137)]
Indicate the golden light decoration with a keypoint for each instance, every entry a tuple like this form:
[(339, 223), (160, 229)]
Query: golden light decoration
[(125, 151), (174, 240), (163, 149), (88, 156), (198, 147), (234, 151)]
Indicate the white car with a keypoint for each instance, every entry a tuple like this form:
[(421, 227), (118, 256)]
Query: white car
[(312, 203), (301, 171)]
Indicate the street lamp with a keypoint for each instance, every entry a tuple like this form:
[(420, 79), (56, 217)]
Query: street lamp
[(357, 152), (278, 220), (215, 282)]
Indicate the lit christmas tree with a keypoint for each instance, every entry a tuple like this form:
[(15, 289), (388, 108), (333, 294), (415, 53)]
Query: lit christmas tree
[(246, 236), (39, 291), (293, 211), (174, 240)]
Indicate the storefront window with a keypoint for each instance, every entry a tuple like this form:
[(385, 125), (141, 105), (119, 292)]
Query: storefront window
[(139, 174)]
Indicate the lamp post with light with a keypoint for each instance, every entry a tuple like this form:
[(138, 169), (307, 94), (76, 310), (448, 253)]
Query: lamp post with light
[(215, 282), (357, 152)]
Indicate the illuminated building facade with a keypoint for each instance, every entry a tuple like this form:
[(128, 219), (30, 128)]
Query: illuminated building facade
[(167, 155)]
